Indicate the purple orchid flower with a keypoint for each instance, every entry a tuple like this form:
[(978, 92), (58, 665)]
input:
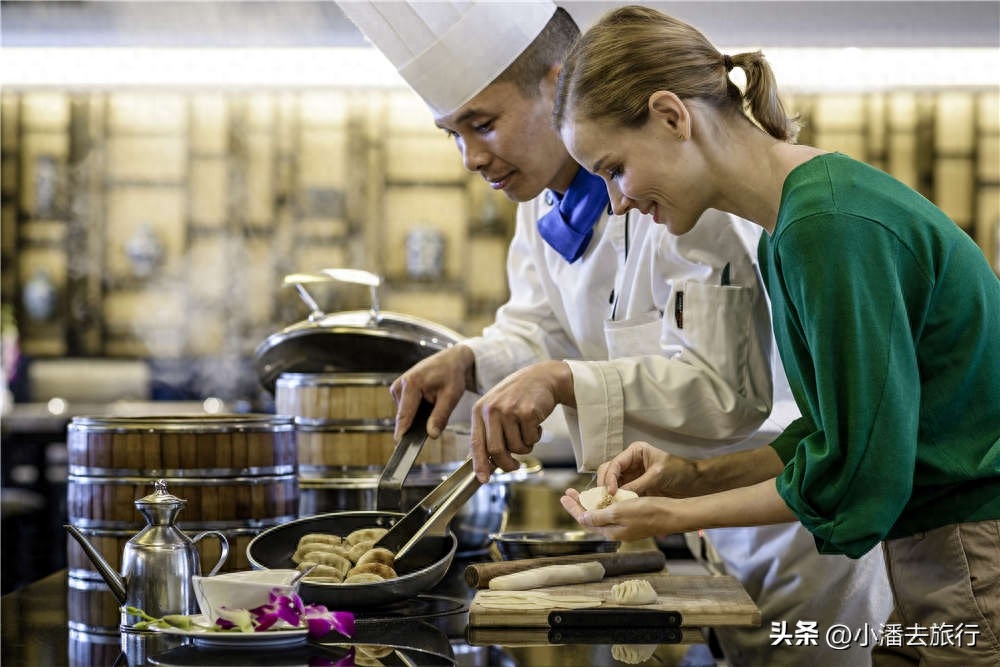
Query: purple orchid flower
[(321, 621), (289, 608)]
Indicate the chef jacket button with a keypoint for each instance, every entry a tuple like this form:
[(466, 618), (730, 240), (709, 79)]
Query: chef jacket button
[(548, 198)]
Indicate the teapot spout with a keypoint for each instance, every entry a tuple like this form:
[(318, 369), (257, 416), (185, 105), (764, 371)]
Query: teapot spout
[(111, 577)]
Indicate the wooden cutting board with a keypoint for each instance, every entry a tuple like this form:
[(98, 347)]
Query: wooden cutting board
[(702, 600)]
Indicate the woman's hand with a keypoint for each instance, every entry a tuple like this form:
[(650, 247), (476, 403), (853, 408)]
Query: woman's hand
[(754, 505), (649, 471), (626, 520)]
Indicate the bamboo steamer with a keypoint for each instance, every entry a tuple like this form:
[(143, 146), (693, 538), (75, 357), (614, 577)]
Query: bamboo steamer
[(356, 398), (237, 473), (345, 422), (328, 447)]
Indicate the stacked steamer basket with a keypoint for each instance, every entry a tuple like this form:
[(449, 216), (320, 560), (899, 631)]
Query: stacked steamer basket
[(345, 425), (238, 474), (331, 374)]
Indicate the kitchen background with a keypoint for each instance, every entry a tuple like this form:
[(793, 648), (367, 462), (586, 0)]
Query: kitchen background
[(165, 164)]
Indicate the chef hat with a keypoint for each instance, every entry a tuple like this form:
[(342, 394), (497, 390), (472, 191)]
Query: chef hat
[(450, 51)]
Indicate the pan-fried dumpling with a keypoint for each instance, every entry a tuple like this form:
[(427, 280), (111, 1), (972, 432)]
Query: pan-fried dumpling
[(598, 497), (308, 547), (320, 538), (360, 549), (336, 561), (633, 591), (380, 569), (365, 535), (362, 578), (321, 572), (377, 555)]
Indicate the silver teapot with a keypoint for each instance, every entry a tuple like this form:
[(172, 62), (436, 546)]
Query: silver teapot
[(158, 563)]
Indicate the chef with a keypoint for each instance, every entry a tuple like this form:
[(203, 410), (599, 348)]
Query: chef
[(613, 325)]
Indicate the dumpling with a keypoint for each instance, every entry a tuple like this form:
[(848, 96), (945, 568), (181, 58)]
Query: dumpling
[(362, 578), (359, 550), (633, 654), (308, 547), (598, 497), (634, 591), (380, 569), (320, 572), (365, 535), (377, 555), (330, 559), (320, 538)]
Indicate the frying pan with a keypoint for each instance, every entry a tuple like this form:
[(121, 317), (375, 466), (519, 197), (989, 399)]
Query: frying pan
[(421, 539), (426, 564)]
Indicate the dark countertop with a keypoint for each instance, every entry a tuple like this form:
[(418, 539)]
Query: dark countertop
[(34, 633)]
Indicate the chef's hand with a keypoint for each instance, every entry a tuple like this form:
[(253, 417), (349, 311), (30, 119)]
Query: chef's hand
[(626, 520), (649, 471), (442, 379), (508, 418)]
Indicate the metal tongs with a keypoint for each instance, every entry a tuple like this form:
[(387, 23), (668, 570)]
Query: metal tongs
[(432, 514), (389, 495)]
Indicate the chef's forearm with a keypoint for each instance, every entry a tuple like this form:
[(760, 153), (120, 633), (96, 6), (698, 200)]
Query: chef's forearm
[(738, 469)]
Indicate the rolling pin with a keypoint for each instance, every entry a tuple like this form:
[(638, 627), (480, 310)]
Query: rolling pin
[(478, 575)]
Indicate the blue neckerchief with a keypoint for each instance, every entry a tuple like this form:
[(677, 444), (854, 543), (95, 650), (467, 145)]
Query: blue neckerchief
[(569, 226)]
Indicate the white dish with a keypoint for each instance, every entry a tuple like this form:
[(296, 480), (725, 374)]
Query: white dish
[(270, 638), (241, 590)]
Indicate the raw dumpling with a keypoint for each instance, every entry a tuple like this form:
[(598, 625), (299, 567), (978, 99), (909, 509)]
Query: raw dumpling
[(598, 497), (633, 654), (634, 591)]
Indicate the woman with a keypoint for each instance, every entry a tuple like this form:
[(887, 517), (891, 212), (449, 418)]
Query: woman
[(887, 318)]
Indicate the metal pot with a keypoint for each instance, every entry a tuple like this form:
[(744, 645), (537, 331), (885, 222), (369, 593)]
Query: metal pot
[(359, 341)]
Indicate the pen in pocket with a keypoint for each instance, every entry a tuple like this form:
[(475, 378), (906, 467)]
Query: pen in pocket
[(679, 309), (725, 274)]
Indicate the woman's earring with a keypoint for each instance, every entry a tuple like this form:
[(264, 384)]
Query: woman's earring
[(680, 137)]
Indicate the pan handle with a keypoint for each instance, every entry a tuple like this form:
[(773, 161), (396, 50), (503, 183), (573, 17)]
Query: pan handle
[(359, 277), (353, 276), (298, 281)]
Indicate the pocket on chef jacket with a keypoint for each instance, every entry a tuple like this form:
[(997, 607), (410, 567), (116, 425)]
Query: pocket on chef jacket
[(634, 337), (715, 329)]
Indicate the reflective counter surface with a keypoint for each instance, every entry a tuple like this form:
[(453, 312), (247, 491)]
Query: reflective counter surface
[(431, 631)]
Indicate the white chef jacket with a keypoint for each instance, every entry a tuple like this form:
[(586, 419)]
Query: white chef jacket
[(662, 351)]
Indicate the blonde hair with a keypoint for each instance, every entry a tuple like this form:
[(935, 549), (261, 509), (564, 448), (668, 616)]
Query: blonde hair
[(634, 51)]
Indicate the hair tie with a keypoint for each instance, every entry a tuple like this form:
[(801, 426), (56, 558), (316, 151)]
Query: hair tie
[(728, 62)]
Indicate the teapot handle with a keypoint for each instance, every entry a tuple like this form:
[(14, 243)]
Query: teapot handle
[(222, 541)]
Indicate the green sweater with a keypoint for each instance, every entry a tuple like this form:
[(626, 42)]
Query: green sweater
[(887, 317)]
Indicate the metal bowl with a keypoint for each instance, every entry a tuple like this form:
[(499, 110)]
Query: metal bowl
[(534, 544)]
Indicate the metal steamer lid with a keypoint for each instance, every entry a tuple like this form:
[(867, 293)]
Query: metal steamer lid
[(370, 341)]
